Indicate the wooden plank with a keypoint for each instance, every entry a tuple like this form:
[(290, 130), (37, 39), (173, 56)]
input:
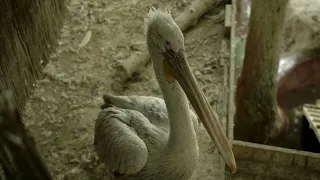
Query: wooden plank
[(276, 155), (311, 106), (317, 126), (256, 161), (231, 108), (249, 170), (314, 109), (228, 16), (228, 19), (312, 114), (224, 45)]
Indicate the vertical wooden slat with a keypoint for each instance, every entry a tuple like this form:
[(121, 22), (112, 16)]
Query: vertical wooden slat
[(312, 114)]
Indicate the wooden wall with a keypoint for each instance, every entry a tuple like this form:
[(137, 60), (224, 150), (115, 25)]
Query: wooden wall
[(262, 162), (28, 33)]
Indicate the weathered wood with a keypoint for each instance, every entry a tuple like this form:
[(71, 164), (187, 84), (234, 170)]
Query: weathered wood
[(257, 161), (223, 108), (28, 32), (189, 17), (276, 155), (229, 80), (228, 16), (231, 108), (228, 19), (257, 117), (312, 113)]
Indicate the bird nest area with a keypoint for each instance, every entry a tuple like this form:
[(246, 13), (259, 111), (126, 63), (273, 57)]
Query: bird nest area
[(96, 37)]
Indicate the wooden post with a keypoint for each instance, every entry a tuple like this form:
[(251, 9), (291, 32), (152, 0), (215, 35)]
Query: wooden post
[(257, 117)]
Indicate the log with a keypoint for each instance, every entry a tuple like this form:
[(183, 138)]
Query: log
[(18, 155), (136, 62), (257, 118)]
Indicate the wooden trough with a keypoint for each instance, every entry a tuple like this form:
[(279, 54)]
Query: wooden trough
[(257, 161)]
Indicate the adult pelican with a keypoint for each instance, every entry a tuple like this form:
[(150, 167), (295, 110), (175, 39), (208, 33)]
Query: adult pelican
[(146, 138)]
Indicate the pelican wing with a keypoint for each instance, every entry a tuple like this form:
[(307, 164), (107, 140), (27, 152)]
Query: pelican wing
[(123, 138), (128, 128), (152, 108)]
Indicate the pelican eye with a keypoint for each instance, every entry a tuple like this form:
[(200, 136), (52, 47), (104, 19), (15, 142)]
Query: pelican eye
[(167, 45)]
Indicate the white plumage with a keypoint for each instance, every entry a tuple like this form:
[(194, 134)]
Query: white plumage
[(147, 138), (128, 128)]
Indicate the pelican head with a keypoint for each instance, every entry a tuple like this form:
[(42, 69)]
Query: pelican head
[(166, 46)]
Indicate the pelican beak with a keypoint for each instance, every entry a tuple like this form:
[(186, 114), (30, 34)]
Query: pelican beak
[(177, 66)]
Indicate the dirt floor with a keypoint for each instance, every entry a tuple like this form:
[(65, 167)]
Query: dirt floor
[(62, 109)]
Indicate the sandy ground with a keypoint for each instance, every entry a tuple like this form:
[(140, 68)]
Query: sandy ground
[(61, 111)]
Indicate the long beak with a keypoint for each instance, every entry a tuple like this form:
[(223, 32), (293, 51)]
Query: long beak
[(176, 64)]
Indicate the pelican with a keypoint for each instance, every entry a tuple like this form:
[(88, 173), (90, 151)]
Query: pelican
[(147, 138)]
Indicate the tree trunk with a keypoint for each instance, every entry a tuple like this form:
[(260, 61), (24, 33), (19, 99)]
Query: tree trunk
[(257, 117)]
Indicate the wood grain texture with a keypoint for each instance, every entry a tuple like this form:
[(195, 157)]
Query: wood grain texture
[(256, 161)]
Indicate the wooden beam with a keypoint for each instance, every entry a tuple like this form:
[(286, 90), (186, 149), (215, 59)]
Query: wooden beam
[(231, 108), (228, 19), (256, 161)]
